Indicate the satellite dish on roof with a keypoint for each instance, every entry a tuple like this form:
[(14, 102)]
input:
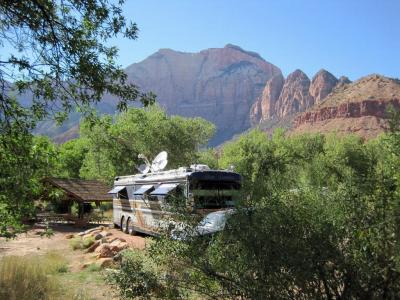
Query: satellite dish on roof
[(144, 169), (160, 161)]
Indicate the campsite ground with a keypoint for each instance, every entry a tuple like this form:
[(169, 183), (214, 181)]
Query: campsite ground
[(89, 281)]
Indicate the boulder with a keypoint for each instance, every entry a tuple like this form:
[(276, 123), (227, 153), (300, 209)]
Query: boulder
[(105, 251), (118, 247), (102, 234)]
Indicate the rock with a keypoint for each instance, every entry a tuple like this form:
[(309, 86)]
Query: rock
[(118, 247), (102, 234), (98, 236), (93, 247), (110, 240), (69, 236), (295, 96), (264, 107), (359, 108), (115, 242), (321, 85), (91, 230), (105, 251), (100, 247), (105, 262)]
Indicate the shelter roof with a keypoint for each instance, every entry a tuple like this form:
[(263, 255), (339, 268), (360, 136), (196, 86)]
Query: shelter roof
[(81, 189)]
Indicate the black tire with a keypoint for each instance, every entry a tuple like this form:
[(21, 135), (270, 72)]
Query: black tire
[(123, 224), (129, 227)]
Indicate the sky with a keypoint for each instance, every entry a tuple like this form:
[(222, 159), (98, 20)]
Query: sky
[(346, 37)]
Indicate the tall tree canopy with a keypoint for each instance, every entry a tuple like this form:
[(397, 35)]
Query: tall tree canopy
[(57, 53)]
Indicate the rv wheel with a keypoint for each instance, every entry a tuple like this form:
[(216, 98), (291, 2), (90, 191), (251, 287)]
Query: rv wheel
[(123, 224), (129, 227)]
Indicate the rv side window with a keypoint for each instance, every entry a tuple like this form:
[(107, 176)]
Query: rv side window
[(123, 194)]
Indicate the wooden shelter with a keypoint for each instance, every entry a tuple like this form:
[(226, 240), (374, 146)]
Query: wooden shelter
[(82, 190)]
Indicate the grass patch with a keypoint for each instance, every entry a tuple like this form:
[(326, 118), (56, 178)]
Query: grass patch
[(94, 268), (34, 277), (76, 243)]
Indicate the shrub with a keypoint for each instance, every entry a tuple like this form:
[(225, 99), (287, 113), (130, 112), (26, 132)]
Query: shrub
[(138, 276), (86, 243), (76, 243)]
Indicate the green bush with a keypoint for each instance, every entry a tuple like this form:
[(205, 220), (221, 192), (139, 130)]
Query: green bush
[(86, 243), (76, 243), (79, 243), (138, 276), (320, 220)]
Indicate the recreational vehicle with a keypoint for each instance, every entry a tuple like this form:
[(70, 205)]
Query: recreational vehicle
[(142, 202)]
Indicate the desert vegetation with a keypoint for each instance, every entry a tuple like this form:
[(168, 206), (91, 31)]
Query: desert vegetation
[(319, 219), (318, 216)]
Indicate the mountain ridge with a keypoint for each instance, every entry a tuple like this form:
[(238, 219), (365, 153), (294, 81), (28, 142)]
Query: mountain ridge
[(237, 89)]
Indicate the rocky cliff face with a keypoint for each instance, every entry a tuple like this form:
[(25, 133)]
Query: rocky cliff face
[(219, 85), (373, 108), (360, 107), (295, 96), (321, 85), (264, 107), (282, 98)]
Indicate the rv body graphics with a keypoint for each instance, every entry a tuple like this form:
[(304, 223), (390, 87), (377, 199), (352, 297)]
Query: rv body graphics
[(142, 202)]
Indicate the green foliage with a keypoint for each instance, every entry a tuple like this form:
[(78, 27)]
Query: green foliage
[(61, 55), (79, 243), (86, 243), (70, 158), (209, 157), (61, 62), (94, 268), (24, 161), (319, 220), (113, 147), (139, 276), (76, 243)]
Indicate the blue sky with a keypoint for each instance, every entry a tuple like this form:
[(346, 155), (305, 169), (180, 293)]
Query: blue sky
[(352, 38)]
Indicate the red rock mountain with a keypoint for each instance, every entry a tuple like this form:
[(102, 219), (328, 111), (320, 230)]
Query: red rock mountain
[(235, 89), (217, 84), (359, 107), (282, 98), (321, 85)]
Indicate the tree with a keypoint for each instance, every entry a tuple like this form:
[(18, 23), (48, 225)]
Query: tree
[(113, 146), (60, 56), (55, 58)]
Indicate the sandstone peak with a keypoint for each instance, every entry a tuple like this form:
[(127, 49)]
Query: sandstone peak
[(264, 107), (295, 96), (321, 85)]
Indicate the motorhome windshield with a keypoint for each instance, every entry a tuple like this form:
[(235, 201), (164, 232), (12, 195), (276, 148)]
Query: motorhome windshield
[(214, 194)]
